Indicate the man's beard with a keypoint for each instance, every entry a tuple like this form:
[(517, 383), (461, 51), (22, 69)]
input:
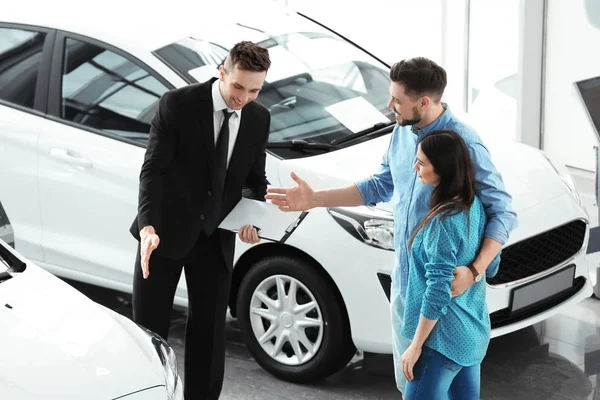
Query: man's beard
[(413, 121)]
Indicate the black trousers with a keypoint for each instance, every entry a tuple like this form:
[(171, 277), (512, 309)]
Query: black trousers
[(208, 282)]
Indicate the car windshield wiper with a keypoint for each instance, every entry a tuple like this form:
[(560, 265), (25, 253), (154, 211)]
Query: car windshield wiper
[(300, 144), (377, 129)]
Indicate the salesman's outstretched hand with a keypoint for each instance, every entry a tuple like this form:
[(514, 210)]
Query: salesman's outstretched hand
[(298, 198), (149, 241)]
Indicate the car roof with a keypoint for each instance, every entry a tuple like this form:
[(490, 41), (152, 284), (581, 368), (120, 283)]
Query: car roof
[(132, 24)]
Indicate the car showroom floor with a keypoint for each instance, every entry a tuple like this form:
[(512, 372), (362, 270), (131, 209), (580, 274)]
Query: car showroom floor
[(556, 359)]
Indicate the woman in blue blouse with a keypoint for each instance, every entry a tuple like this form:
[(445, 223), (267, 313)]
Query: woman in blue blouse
[(449, 336)]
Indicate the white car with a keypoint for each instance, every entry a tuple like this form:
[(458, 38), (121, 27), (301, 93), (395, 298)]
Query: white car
[(57, 344), (76, 100)]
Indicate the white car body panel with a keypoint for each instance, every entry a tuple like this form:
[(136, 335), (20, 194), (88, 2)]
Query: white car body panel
[(87, 209), (62, 345), (19, 133)]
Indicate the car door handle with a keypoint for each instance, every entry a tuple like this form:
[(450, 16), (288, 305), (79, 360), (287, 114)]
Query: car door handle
[(70, 157)]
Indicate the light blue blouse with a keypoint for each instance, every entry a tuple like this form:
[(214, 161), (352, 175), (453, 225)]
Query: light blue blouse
[(462, 332)]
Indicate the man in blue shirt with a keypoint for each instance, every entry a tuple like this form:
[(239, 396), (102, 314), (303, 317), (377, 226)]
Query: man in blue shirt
[(416, 90)]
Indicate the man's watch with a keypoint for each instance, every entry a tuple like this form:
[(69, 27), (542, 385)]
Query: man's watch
[(476, 275)]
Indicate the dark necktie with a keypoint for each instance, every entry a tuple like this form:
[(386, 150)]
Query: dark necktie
[(221, 152), (219, 175)]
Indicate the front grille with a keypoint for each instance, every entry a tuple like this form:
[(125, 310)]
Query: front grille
[(540, 253)]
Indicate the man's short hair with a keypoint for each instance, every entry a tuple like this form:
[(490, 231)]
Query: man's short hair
[(420, 76), (248, 56)]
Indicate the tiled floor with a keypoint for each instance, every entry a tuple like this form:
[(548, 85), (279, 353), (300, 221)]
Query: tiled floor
[(556, 359)]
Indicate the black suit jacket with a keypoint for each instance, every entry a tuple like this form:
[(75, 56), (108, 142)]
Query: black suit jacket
[(175, 180)]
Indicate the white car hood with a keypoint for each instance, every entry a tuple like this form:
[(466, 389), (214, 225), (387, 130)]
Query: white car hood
[(58, 344), (528, 176)]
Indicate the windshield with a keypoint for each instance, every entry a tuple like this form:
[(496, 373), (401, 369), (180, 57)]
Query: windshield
[(319, 89)]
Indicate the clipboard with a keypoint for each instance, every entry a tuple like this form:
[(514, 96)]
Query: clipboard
[(272, 223)]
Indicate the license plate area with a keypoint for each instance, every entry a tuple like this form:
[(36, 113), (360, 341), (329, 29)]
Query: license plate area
[(542, 290)]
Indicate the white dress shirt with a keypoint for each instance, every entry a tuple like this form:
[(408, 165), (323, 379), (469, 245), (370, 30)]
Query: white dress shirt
[(234, 121)]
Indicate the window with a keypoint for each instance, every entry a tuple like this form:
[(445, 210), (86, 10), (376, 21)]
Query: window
[(20, 56), (104, 90), (494, 86)]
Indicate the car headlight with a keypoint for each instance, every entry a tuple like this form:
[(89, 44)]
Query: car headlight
[(167, 358), (372, 226), (566, 177)]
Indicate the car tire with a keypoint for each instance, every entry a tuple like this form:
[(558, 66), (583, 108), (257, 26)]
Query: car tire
[(303, 346)]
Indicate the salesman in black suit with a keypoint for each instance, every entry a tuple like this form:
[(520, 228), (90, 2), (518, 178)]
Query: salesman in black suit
[(207, 142)]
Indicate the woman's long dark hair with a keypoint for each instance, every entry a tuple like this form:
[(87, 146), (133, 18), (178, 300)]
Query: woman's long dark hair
[(455, 192)]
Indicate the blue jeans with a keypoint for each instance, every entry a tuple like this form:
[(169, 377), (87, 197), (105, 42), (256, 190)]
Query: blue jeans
[(436, 377)]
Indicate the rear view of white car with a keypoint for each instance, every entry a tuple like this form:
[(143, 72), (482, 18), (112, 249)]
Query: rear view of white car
[(59, 345), (76, 101)]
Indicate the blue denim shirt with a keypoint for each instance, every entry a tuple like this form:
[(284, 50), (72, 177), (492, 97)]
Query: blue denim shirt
[(397, 181), (462, 332)]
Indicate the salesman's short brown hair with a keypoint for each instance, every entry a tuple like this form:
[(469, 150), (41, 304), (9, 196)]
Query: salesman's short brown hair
[(248, 56)]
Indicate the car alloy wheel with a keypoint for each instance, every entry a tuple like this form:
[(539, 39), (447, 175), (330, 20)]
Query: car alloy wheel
[(286, 320), (293, 319)]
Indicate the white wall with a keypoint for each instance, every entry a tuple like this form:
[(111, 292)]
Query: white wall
[(493, 83), (572, 54)]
